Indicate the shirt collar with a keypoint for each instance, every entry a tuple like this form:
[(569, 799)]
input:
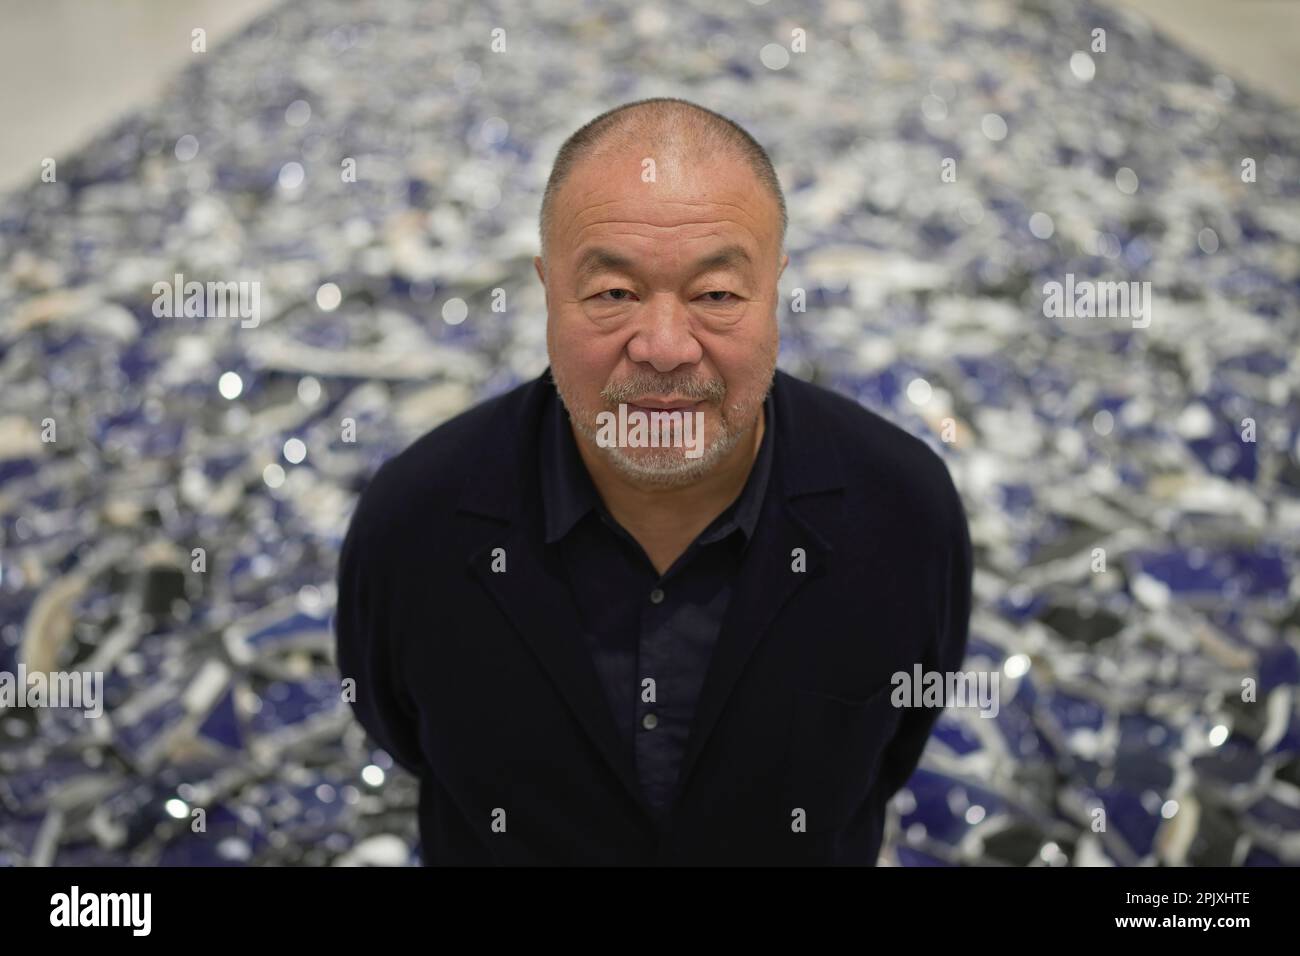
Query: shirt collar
[(568, 492)]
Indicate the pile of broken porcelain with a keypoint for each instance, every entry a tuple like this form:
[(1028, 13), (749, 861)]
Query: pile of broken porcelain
[(376, 169)]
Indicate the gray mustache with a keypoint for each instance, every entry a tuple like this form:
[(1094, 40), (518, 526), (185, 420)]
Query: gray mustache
[(710, 391)]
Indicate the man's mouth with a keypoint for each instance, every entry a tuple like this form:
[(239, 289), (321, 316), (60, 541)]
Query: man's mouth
[(648, 405)]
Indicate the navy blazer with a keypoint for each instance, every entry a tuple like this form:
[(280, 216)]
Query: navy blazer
[(478, 681)]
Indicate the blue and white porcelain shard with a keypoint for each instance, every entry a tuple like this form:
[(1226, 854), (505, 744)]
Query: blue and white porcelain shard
[(1131, 485)]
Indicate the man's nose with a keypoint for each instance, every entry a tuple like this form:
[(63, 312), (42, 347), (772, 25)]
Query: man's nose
[(663, 336)]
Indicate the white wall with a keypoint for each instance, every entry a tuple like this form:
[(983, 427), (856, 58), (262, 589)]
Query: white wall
[(68, 68)]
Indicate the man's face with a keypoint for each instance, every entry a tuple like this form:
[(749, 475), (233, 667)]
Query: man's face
[(662, 295)]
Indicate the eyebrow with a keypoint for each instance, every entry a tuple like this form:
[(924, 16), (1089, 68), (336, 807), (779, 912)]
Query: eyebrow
[(598, 259)]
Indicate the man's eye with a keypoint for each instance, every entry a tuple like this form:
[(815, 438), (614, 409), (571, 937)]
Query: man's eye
[(716, 297)]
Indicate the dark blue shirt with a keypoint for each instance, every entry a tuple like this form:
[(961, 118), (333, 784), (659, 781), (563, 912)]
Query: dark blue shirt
[(638, 625)]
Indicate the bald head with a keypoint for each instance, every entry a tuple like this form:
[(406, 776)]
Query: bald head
[(676, 134), (663, 228)]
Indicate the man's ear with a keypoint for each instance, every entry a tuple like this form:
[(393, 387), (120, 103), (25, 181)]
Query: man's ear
[(541, 273), (785, 261)]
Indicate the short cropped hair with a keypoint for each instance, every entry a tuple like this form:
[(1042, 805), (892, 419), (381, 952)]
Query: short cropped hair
[(667, 121)]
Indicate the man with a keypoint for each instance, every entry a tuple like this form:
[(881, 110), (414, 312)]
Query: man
[(594, 647)]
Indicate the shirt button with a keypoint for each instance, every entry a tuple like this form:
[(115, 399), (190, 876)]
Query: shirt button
[(656, 596), (649, 721)]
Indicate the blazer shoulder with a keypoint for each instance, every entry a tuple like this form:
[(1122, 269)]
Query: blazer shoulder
[(885, 461), (432, 470)]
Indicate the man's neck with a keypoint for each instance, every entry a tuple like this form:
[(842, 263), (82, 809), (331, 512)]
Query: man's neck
[(665, 520)]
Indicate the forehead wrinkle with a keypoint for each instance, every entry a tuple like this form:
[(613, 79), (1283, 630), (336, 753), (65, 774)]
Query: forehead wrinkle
[(579, 237), (585, 266), (732, 255), (719, 228), (739, 207), (576, 209)]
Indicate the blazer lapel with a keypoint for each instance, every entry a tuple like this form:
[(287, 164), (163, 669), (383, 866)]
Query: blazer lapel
[(533, 592), (535, 596), (796, 504)]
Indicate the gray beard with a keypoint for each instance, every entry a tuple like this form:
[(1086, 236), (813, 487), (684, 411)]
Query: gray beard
[(664, 467), (669, 468), (658, 467)]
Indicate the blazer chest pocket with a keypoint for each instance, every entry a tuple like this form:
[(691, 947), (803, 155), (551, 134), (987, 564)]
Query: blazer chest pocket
[(835, 749)]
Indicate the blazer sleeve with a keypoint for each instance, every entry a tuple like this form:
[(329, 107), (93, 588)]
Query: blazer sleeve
[(944, 655), (365, 645)]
